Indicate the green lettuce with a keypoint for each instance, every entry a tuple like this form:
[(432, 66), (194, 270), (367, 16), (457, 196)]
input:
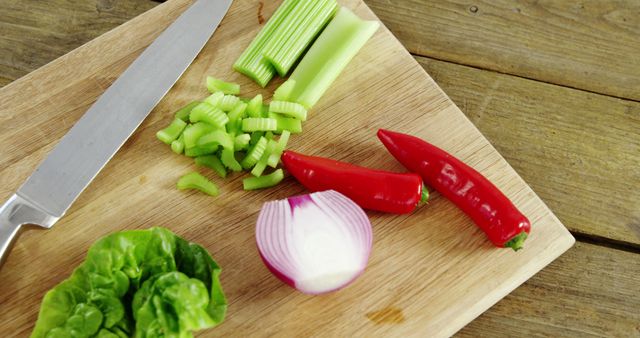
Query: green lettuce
[(139, 283)]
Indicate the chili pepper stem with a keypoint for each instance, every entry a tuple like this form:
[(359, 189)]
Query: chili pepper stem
[(517, 242), (424, 195)]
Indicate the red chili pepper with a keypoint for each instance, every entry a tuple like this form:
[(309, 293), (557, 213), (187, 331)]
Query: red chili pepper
[(487, 206), (370, 189)]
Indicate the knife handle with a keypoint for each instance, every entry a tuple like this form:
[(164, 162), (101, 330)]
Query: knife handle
[(15, 213)]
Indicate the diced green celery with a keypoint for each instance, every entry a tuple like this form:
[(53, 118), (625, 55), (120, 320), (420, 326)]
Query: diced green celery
[(212, 162), (241, 142), (344, 36), (207, 113), (259, 168), (254, 154), (214, 99), (258, 124), (284, 91), (184, 112), (286, 123), (235, 117), (216, 138), (268, 135), (253, 183), (229, 160), (255, 137), (290, 109), (177, 146), (198, 182), (274, 158), (283, 54), (193, 132), (228, 102), (172, 132), (254, 107), (201, 150), (265, 110), (251, 63), (216, 85)]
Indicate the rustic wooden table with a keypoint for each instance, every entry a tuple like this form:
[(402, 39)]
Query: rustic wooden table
[(554, 85)]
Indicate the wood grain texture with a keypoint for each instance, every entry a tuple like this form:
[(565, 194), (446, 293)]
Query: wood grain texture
[(591, 45), (579, 151), (34, 32), (435, 256), (590, 291)]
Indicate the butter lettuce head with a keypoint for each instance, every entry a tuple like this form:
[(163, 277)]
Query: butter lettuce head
[(139, 283)]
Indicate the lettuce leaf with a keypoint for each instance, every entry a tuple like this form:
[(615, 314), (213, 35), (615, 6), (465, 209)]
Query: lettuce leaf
[(142, 283)]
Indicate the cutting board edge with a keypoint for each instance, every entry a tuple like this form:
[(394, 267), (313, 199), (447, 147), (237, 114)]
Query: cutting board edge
[(565, 242)]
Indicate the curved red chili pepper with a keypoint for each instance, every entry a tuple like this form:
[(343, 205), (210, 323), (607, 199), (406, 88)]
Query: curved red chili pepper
[(487, 206), (370, 189)]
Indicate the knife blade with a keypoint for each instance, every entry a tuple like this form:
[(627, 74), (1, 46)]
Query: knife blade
[(102, 130)]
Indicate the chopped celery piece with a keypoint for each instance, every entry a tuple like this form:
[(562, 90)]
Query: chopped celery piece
[(216, 138), (286, 123), (255, 137), (201, 150), (254, 107), (284, 91), (290, 109), (251, 63), (177, 146), (265, 110), (283, 54), (198, 182), (172, 132), (253, 183), (228, 102), (215, 85), (193, 132), (258, 124), (212, 162), (274, 158), (254, 154), (184, 112), (241, 142), (331, 52), (229, 160), (207, 113), (214, 99), (259, 168), (268, 135), (235, 117)]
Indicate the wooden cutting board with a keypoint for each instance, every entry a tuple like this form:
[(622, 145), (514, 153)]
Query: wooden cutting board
[(430, 272)]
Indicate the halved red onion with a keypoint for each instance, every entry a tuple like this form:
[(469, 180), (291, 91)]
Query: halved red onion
[(316, 243)]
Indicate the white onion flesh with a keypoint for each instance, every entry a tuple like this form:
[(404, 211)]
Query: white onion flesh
[(316, 243)]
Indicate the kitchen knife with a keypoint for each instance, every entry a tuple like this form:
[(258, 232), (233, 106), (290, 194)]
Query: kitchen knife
[(103, 129)]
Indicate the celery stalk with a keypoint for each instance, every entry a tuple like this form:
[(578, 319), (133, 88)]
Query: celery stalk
[(345, 35), (251, 63), (284, 91), (283, 53)]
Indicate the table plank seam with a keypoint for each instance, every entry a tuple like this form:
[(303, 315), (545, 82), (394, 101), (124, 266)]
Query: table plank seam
[(416, 55), (606, 242)]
